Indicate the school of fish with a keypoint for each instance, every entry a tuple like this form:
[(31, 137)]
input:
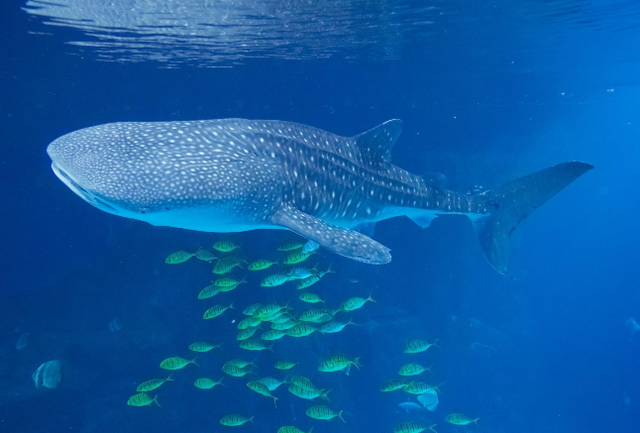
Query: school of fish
[(263, 324)]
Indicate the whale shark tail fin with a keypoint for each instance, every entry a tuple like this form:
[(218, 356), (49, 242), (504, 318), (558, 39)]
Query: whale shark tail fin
[(509, 204)]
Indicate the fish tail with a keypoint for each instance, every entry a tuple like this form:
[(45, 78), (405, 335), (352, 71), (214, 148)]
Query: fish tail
[(311, 429), (169, 379), (220, 382), (437, 388), (271, 348), (155, 400), (340, 416), (432, 428), (356, 363), (509, 204), (475, 421), (435, 343), (251, 420), (325, 394), (370, 299), (351, 322), (219, 346), (429, 369), (329, 270), (231, 306), (275, 399), (193, 361)]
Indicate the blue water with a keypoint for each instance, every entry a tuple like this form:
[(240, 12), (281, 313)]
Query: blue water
[(487, 92)]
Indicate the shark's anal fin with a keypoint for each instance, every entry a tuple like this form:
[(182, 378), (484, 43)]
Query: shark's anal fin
[(347, 243)]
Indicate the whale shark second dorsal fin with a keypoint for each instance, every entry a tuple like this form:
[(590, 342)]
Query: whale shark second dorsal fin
[(376, 144)]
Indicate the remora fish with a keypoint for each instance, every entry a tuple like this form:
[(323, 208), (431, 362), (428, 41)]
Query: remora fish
[(234, 175)]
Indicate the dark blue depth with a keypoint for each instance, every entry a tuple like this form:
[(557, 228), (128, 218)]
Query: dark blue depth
[(493, 93)]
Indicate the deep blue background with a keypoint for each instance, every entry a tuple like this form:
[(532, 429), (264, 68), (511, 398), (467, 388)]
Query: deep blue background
[(482, 103)]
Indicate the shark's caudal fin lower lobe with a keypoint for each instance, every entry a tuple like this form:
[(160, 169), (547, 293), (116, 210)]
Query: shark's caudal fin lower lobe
[(513, 201)]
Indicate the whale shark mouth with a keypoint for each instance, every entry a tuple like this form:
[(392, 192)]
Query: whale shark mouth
[(90, 197)]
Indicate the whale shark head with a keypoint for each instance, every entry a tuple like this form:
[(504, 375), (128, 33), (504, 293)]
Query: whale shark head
[(179, 174), (80, 162)]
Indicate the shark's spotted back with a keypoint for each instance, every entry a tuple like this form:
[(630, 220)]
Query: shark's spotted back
[(235, 174)]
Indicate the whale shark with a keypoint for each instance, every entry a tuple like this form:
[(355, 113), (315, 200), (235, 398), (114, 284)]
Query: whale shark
[(232, 175)]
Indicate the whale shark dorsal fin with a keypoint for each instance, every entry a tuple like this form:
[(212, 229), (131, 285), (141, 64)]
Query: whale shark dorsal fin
[(377, 143), (347, 243)]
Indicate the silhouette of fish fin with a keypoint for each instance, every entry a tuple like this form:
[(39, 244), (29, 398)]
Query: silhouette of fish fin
[(344, 242), (423, 220), (376, 144)]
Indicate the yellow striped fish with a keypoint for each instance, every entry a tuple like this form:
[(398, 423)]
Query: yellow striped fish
[(301, 330), (262, 389), (310, 298), (315, 315), (251, 309), (308, 393), (254, 345), (227, 282), (271, 382), (203, 346), (291, 245), (414, 369), (460, 419), (290, 323), (152, 384), (235, 371), (273, 334), (249, 322), (235, 420), (268, 311), (393, 385), (208, 292), (417, 346), (261, 265), (334, 326), (303, 382), (215, 311), (245, 334), (225, 246), (418, 388), (297, 257), (178, 257), (274, 280), (177, 363), (142, 399), (337, 362), (412, 427), (292, 429), (206, 383), (226, 265), (307, 282), (323, 412), (354, 303), (240, 363), (284, 365)]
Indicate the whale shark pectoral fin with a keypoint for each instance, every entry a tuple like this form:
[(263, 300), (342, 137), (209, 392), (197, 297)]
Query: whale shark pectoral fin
[(347, 243)]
